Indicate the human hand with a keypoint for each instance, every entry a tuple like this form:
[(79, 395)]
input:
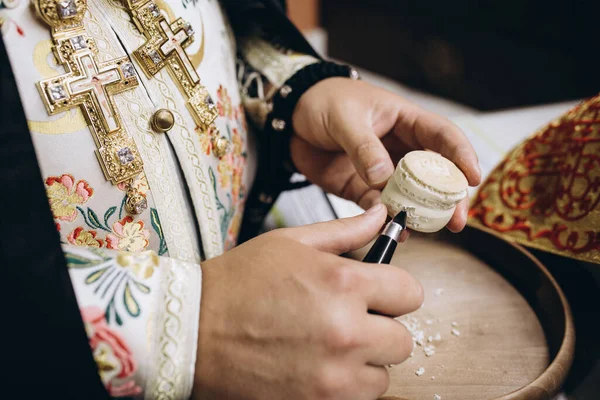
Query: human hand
[(349, 135), (284, 317)]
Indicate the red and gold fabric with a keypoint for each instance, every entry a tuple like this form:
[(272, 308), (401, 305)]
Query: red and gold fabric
[(546, 193)]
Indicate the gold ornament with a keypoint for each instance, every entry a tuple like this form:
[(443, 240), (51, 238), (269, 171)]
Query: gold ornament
[(221, 145), (165, 48), (136, 203), (162, 120), (90, 85)]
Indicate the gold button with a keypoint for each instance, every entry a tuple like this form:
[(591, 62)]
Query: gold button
[(162, 120)]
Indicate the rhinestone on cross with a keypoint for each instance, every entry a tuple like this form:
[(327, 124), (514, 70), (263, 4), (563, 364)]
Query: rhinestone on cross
[(91, 85)]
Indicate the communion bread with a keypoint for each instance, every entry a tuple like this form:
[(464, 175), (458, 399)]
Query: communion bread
[(428, 186)]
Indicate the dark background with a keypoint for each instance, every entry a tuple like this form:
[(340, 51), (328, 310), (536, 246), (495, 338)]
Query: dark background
[(486, 54)]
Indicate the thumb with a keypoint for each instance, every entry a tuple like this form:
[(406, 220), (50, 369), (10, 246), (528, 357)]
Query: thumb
[(342, 235), (369, 156)]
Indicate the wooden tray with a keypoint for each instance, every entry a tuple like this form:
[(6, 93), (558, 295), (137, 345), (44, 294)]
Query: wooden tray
[(516, 337)]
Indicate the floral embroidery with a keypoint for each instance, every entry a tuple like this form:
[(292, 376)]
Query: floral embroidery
[(128, 235), (224, 103), (117, 280), (81, 237), (113, 356), (230, 171), (233, 231), (65, 195), (225, 167), (115, 236), (205, 138)]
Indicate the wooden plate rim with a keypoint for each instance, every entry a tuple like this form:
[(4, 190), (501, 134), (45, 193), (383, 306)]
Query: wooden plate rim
[(548, 384)]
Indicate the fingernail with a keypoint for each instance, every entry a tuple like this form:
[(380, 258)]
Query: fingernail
[(377, 173), (374, 210)]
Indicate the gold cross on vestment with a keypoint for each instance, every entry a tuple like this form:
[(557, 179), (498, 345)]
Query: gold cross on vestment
[(165, 48), (90, 85)]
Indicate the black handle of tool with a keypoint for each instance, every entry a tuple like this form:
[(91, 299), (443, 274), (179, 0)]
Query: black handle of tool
[(382, 251)]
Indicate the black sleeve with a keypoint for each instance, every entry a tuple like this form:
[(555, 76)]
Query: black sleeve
[(46, 351), (268, 19)]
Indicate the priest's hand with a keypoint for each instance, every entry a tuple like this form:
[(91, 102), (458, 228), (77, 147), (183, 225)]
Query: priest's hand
[(349, 135), (284, 317)]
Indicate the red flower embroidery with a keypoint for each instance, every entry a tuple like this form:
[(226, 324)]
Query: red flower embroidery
[(224, 103), (65, 195), (112, 355), (81, 237), (128, 235)]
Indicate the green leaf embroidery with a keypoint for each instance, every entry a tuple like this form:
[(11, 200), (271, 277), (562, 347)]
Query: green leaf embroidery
[(77, 261), (103, 280), (213, 180), (163, 248), (118, 318), (143, 288), (156, 223), (107, 312), (122, 207), (109, 214), (93, 218), (84, 217), (94, 276), (131, 305), (112, 281)]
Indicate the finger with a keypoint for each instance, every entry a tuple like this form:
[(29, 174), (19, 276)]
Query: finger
[(374, 381), (459, 218), (424, 129), (388, 341), (341, 235), (334, 172), (370, 158), (404, 236), (389, 290)]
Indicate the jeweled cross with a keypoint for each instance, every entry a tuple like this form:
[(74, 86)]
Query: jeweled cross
[(96, 82), (173, 46), (165, 48), (91, 85)]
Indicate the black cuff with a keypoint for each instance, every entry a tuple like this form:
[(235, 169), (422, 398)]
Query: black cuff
[(275, 166), (279, 121)]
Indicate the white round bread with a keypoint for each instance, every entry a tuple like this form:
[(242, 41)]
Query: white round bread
[(428, 186)]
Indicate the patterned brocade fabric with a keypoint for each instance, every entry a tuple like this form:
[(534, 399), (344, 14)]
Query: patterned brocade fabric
[(140, 313), (137, 275), (546, 193)]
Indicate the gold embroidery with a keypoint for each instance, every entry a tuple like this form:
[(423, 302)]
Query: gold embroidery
[(90, 85)]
